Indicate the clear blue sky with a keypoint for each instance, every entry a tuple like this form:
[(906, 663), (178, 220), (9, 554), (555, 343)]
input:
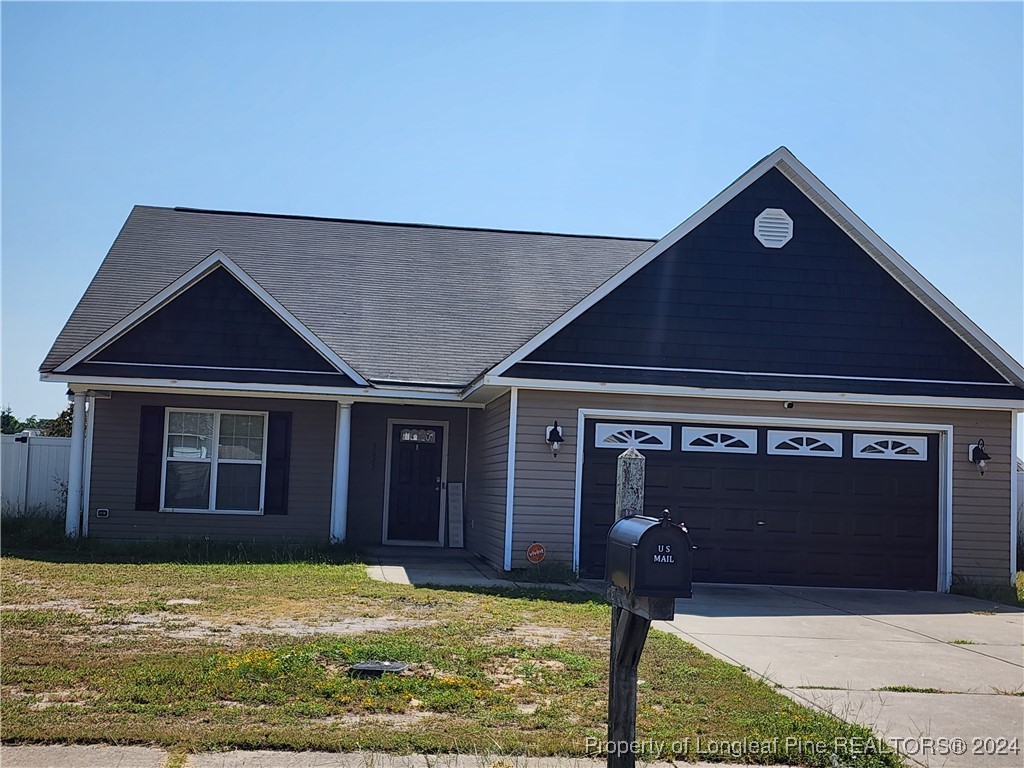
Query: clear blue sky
[(595, 118)]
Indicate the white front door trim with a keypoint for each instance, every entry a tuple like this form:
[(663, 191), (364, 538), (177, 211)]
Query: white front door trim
[(439, 542), (944, 577)]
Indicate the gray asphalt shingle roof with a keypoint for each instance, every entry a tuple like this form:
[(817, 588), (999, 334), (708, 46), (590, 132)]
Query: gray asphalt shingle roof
[(397, 302)]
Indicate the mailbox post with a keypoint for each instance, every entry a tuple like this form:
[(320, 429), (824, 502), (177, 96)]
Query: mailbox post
[(648, 566)]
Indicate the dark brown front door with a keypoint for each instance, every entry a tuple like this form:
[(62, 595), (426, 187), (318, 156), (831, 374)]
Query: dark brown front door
[(414, 497)]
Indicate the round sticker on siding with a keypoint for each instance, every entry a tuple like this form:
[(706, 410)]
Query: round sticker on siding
[(535, 553)]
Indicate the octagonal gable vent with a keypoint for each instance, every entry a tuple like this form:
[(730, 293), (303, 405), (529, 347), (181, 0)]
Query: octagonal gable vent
[(773, 228)]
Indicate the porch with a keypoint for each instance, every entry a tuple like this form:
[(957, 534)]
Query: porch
[(157, 465)]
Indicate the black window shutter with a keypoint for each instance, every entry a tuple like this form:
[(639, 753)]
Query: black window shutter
[(279, 450), (151, 448)]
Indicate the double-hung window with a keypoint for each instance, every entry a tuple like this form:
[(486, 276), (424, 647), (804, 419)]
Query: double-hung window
[(214, 461)]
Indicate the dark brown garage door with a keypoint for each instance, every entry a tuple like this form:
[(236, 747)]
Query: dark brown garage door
[(768, 506)]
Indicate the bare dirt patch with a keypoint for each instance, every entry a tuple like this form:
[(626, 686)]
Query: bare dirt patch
[(66, 604), (398, 721), (535, 635), (45, 699), (180, 627)]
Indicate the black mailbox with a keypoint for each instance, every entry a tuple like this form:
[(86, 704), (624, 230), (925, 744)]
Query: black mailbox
[(650, 557)]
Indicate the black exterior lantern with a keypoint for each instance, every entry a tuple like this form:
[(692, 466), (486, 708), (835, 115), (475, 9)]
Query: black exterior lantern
[(554, 438), (978, 455)]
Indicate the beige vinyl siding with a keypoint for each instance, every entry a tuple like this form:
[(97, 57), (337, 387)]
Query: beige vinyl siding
[(545, 487), (486, 484), (369, 460), (115, 464)]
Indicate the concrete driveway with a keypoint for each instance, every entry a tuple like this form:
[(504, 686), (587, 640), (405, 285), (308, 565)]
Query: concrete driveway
[(839, 648)]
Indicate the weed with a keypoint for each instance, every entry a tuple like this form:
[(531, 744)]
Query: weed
[(997, 593), (908, 689)]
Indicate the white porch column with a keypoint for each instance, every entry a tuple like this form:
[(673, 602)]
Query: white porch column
[(73, 520), (90, 430), (339, 503)]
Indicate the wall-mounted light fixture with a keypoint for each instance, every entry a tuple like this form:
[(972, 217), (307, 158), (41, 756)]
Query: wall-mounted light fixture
[(976, 453), (553, 436)]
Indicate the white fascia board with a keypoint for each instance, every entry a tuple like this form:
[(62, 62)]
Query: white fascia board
[(245, 389), (720, 371), (216, 259), (755, 394), (916, 284)]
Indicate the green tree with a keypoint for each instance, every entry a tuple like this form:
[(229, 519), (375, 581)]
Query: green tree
[(61, 426), (34, 422), (9, 424)]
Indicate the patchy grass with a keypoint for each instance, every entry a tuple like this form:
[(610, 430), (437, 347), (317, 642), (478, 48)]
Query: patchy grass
[(962, 642), (101, 647), (544, 573), (908, 689), (1006, 594)]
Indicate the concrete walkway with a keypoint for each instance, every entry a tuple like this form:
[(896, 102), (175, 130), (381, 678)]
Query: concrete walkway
[(837, 649), (432, 567), (143, 757)]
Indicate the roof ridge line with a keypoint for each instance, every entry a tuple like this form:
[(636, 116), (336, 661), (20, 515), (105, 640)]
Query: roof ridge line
[(413, 225)]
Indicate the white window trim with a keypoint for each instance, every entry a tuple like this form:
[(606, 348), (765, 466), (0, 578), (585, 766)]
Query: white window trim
[(918, 442), (695, 433), (662, 432), (832, 439), (214, 461)]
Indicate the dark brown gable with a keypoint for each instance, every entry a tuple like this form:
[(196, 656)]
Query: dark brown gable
[(720, 309), (216, 330)]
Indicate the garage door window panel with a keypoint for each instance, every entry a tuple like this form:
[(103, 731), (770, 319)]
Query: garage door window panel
[(894, 447), (643, 437), (719, 440), (815, 444)]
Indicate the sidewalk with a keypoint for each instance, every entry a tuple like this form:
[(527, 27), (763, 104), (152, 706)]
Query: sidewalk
[(147, 757)]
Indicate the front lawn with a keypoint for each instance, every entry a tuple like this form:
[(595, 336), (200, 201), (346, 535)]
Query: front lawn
[(221, 650)]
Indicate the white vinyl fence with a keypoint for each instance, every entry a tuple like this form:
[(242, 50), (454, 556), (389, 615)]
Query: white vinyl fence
[(34, 474)]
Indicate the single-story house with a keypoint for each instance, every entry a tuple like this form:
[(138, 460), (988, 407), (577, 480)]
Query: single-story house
[(808, 403)]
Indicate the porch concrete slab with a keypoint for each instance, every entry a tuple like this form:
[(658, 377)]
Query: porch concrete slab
[(81, 756), (986, 724)]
